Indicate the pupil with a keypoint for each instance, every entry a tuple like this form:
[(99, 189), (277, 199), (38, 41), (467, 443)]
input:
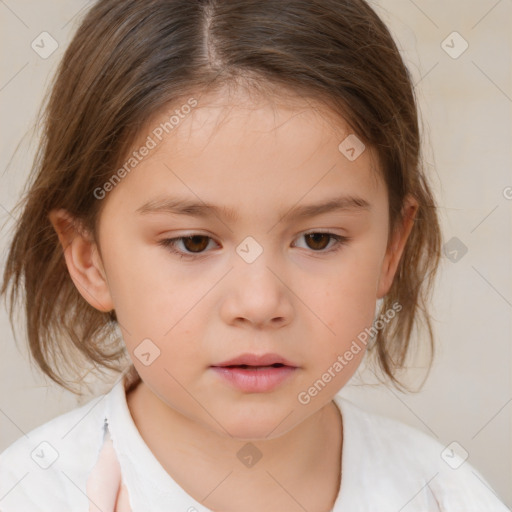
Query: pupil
[(194, 239), (315, 236)]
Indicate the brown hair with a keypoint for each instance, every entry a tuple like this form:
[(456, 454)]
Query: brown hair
[(131, 58)]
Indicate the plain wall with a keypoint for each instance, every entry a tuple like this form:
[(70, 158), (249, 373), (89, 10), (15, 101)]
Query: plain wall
[(466, 105)]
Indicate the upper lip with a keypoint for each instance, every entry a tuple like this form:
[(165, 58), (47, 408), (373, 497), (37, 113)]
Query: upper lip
[(256, 360)]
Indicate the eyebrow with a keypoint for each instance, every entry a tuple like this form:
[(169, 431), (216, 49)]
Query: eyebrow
[(181, 206)]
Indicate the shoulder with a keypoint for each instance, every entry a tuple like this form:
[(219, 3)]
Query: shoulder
[(407, 463), (45, 469)]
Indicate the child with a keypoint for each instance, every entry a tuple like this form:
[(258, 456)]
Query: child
[(260, 128)]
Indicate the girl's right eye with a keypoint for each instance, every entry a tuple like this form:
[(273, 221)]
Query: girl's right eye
[(194, 243)]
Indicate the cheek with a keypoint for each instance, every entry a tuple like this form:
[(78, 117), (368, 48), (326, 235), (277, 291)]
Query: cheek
[(150, 304), (340, 338), (344, 305), (346, 313), (139, 278)]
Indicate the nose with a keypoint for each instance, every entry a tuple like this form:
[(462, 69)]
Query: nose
[(257, 294)]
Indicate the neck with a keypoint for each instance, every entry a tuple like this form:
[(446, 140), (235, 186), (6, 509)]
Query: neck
[(306, 457)]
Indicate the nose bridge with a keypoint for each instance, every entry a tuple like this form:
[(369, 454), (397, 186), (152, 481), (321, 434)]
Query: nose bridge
[(251, 249), (254, 260), (256, 292), (257, 241)]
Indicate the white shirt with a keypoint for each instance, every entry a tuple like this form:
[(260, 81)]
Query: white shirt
[(89, 458)]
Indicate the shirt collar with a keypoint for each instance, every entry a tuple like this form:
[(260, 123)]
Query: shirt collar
[(150, 486)]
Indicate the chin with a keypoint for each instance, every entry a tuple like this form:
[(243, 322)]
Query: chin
[(253, 424)]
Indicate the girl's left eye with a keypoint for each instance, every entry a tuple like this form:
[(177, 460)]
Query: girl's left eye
[(196, 244)]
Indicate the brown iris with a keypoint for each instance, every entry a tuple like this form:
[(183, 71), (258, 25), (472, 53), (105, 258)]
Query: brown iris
[(316, 238), (196, 243)]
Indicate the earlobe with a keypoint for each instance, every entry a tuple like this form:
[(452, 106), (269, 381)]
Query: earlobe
[(396, 247), (82, 260)]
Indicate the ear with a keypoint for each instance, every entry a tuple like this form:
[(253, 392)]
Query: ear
[(396, 246), (83, 260)]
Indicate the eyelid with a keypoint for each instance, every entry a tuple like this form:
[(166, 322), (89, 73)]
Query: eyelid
[(169, 243)]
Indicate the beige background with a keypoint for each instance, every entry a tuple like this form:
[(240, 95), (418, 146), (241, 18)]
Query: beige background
[(467, 110)]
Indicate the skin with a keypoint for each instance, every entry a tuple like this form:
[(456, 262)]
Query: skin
[(297, 299)]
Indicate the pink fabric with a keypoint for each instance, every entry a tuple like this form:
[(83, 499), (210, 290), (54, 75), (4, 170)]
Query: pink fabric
[(105, 488)]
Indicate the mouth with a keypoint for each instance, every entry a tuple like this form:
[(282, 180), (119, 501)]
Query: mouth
[(248, 361), (250, 373), (250, 367)]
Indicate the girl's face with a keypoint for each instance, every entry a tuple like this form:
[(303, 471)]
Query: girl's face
[(249, 182)]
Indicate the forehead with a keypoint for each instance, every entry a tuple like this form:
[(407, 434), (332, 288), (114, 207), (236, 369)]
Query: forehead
[(246, 117), (280, 148)]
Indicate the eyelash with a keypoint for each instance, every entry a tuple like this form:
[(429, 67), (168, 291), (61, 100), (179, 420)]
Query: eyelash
[(170, 243)]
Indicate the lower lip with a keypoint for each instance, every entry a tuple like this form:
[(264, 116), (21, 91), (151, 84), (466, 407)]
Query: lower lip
[(257, 380)]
